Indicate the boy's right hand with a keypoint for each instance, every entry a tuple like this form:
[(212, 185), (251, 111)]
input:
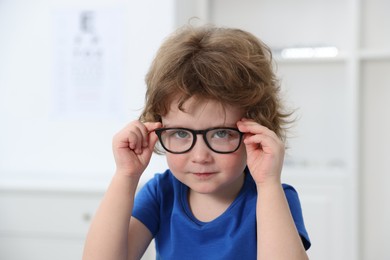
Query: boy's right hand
[(133, 147)]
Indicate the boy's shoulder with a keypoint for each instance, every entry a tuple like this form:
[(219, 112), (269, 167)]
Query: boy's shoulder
[(163, 177), (163, 182)]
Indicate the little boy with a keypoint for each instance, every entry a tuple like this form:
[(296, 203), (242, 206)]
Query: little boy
[(212, 107)]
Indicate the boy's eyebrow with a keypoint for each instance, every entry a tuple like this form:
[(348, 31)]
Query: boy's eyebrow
[(191, 127)]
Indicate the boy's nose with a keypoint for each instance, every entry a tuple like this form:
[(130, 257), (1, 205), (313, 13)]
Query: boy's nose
[(200, 153)]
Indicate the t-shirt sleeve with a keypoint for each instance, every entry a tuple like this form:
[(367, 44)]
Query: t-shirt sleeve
[(296, 211), (146, 206)]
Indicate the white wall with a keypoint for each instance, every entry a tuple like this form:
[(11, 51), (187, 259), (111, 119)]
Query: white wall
[(38, 146)]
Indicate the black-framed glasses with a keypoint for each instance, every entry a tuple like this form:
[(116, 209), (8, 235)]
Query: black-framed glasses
[(181, 140)]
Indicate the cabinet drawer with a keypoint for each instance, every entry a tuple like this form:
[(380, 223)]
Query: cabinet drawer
[(37, 248), (47, 212)]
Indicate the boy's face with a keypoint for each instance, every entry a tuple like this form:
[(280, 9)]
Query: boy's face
[(201, 169)]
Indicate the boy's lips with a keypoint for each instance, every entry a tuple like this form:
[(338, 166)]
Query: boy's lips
[(203, 174)]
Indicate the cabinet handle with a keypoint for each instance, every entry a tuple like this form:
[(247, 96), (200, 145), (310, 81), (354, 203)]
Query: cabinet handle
[(87, 217)]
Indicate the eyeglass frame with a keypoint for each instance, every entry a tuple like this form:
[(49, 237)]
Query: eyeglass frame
[(195, 133)]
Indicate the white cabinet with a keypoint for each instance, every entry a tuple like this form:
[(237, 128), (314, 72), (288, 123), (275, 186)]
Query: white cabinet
[(375, 127), (44, 225)]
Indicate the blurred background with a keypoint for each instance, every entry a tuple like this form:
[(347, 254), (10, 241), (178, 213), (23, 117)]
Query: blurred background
[(72, 75)]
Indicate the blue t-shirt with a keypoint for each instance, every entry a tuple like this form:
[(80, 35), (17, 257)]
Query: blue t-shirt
[(162, 206)]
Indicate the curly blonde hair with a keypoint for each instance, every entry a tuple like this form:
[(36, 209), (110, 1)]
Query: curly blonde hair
[(228, 65)]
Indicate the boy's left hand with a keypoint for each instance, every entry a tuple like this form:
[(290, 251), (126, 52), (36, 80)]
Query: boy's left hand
[(265, 151)]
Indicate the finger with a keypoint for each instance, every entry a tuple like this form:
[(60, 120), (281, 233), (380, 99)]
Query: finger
[(252, 127), (142, 133), (135, 140), (125, 138), (136, 136), (146, 138), (257, 139), (132, 136), (153, 138), (151, 126), (265, 143)]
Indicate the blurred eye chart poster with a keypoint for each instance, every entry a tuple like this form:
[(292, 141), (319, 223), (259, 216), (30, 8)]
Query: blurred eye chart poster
[(88, 63)]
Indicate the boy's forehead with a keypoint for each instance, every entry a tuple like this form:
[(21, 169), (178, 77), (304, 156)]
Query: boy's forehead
[(202, 111), (196, 106)]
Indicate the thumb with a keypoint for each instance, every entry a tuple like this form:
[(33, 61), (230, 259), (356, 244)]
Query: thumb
[(152, 135), (153, 138)]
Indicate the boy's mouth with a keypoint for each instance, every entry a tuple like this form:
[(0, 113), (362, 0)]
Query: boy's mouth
[(203, 174)]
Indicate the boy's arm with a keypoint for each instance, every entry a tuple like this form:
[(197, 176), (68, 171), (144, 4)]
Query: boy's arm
[(277, 236), (113, 233), (110, 232)]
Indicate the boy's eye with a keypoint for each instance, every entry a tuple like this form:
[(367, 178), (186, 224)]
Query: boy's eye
[(221, 134), (226, 134), (180, 134)]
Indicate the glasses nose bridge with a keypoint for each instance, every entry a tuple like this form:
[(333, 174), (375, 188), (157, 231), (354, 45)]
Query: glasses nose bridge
[(204, 135)]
